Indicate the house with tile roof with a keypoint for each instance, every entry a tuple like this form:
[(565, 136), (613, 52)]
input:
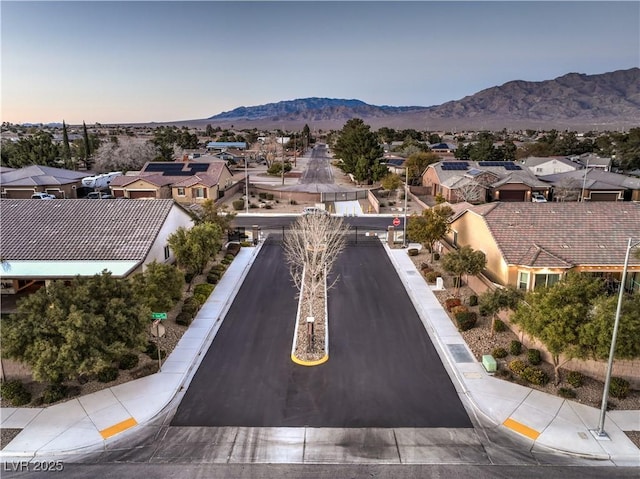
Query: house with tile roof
[(482, 181), (593, 184), (187, 182), (24, 182), (550, 165), (528, 245), (48, 240)]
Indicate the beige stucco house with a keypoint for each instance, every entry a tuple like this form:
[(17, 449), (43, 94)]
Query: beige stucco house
[(183, 181), (528, 245)]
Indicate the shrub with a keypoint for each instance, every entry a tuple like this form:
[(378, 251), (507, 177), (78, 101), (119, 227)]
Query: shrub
[(233, 249), (245, 244), (202, 291), (432, 276), (188, 277), (293, 202), (533, 356), (229, 256), (108, 374), (213, 277), (535, 376), (473, 300), (436, 256), (499, 353), (152, 351), (499, 326), (190, 306), (226, 261), (219, 268), (451, 303), (15, 392), (459, 309), (269, 196), (184, 319), (466, 320), (517, 366), (412, 251), (128, 361), (262, 195), (237, 204), (575, 378), (54, 393), (515, 348), (566, 393), (619, 388), (268, 207), (382, 205)]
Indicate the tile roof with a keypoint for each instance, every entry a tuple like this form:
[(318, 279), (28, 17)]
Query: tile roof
[(80, 229), (524, 175), (562, 234), (595, 176), (36, 175)]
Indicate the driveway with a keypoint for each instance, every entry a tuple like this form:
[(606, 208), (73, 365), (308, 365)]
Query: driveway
[(382, 371)]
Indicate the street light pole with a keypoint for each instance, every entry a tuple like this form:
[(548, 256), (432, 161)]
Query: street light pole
[(246, 183), (584, 181), (605, 394), (406, 193)]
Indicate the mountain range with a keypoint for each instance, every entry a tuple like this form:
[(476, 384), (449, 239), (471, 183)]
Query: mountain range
[(574, 101)]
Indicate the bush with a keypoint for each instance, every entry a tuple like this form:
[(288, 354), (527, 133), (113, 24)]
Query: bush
[(184, 319), (473, 300), (499, 326), (152, 351), (220, 268), (566, 393), (213, 277), (293, 202), (54, 393), (459, 309), (190, 306), (128, 361), (232, 250), (535, 376), (202, 291), (499, 353), (432, 276), (412, 251), (15, 392), (466, 320), (619, 388), (575, 378), (515, 348), (269, 196), (188, 277), (108, 374), (436, 256), (517, 366), (237, 204), (451, 303), (226, 261), (533, 356), (262, 195)]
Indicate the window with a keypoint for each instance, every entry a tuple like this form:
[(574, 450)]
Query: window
[(523, 280), (199, 193), (455, 238), (548, 280), (180, 191), (167, 252)]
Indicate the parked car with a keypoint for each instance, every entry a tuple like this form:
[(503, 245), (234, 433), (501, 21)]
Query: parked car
[(43, 196), (538, 198), (95, 195), (311, 210)]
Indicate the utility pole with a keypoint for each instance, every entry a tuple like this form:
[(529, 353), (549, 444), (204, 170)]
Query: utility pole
[(406, 193)]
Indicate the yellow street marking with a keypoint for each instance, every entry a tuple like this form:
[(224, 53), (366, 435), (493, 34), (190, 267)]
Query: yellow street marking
[(521, 428), (117, 428), (302, 362)]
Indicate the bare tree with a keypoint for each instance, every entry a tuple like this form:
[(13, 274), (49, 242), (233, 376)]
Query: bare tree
[(568, 189), (471, 192), (311, 248), (126, 155)]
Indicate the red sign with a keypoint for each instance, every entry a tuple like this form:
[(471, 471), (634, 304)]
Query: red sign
[(396, 221)]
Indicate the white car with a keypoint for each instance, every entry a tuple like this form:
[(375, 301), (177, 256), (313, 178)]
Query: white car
[(43, 196), (310, 210), (538, 198)]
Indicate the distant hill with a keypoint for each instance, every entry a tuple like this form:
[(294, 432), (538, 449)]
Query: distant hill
[(573, 101)]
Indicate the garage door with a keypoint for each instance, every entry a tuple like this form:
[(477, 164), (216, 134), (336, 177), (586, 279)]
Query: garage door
[(142, 194), (604, 196), (510, 195)]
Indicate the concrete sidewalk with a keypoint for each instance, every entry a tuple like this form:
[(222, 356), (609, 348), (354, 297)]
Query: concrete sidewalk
[(545, 422)]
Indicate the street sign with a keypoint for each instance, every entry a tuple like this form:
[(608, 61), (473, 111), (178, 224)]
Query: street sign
[(160, 316), (396, 221), (157, 329)]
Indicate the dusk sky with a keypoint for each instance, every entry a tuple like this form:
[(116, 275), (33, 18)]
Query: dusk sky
[(124, 62)]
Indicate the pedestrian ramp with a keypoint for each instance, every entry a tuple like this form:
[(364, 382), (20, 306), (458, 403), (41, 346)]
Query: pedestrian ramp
[(348, 208)]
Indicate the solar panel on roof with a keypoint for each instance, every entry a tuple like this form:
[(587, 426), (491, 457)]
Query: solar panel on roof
[(512, 167), (199, 167), (454, 165)]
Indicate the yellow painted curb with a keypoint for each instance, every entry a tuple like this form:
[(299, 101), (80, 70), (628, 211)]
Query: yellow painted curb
[(301, 362), (521, 428), (117, 428)]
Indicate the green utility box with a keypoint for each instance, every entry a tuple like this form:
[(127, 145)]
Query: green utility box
[(489, 363)]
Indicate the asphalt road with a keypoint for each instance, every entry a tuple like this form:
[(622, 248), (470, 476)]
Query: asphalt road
[(383, 370), (318, 170)]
